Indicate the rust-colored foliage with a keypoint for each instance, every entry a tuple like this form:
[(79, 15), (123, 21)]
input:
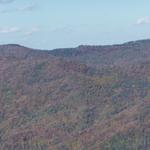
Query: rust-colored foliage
[(86, 98)]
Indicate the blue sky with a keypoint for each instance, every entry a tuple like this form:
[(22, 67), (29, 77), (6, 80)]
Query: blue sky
[(49, 24)]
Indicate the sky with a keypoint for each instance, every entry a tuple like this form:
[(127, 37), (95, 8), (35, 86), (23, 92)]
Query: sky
[(50, 24)]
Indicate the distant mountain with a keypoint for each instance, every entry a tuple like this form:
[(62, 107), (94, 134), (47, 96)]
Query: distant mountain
[(18, 51), (124, 54), (83, 98)]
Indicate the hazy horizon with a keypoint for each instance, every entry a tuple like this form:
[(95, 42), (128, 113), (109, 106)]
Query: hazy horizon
[(56, 24), (109, 44)]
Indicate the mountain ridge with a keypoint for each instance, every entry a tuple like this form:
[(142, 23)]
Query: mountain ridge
[(144, 41)]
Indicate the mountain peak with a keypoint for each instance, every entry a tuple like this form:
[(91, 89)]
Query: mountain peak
[(11, 46), (14, 50)]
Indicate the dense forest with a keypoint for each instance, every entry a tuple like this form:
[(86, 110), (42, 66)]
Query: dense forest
[(83, 98)]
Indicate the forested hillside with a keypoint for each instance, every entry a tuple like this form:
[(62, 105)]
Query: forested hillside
[(84, 98)]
